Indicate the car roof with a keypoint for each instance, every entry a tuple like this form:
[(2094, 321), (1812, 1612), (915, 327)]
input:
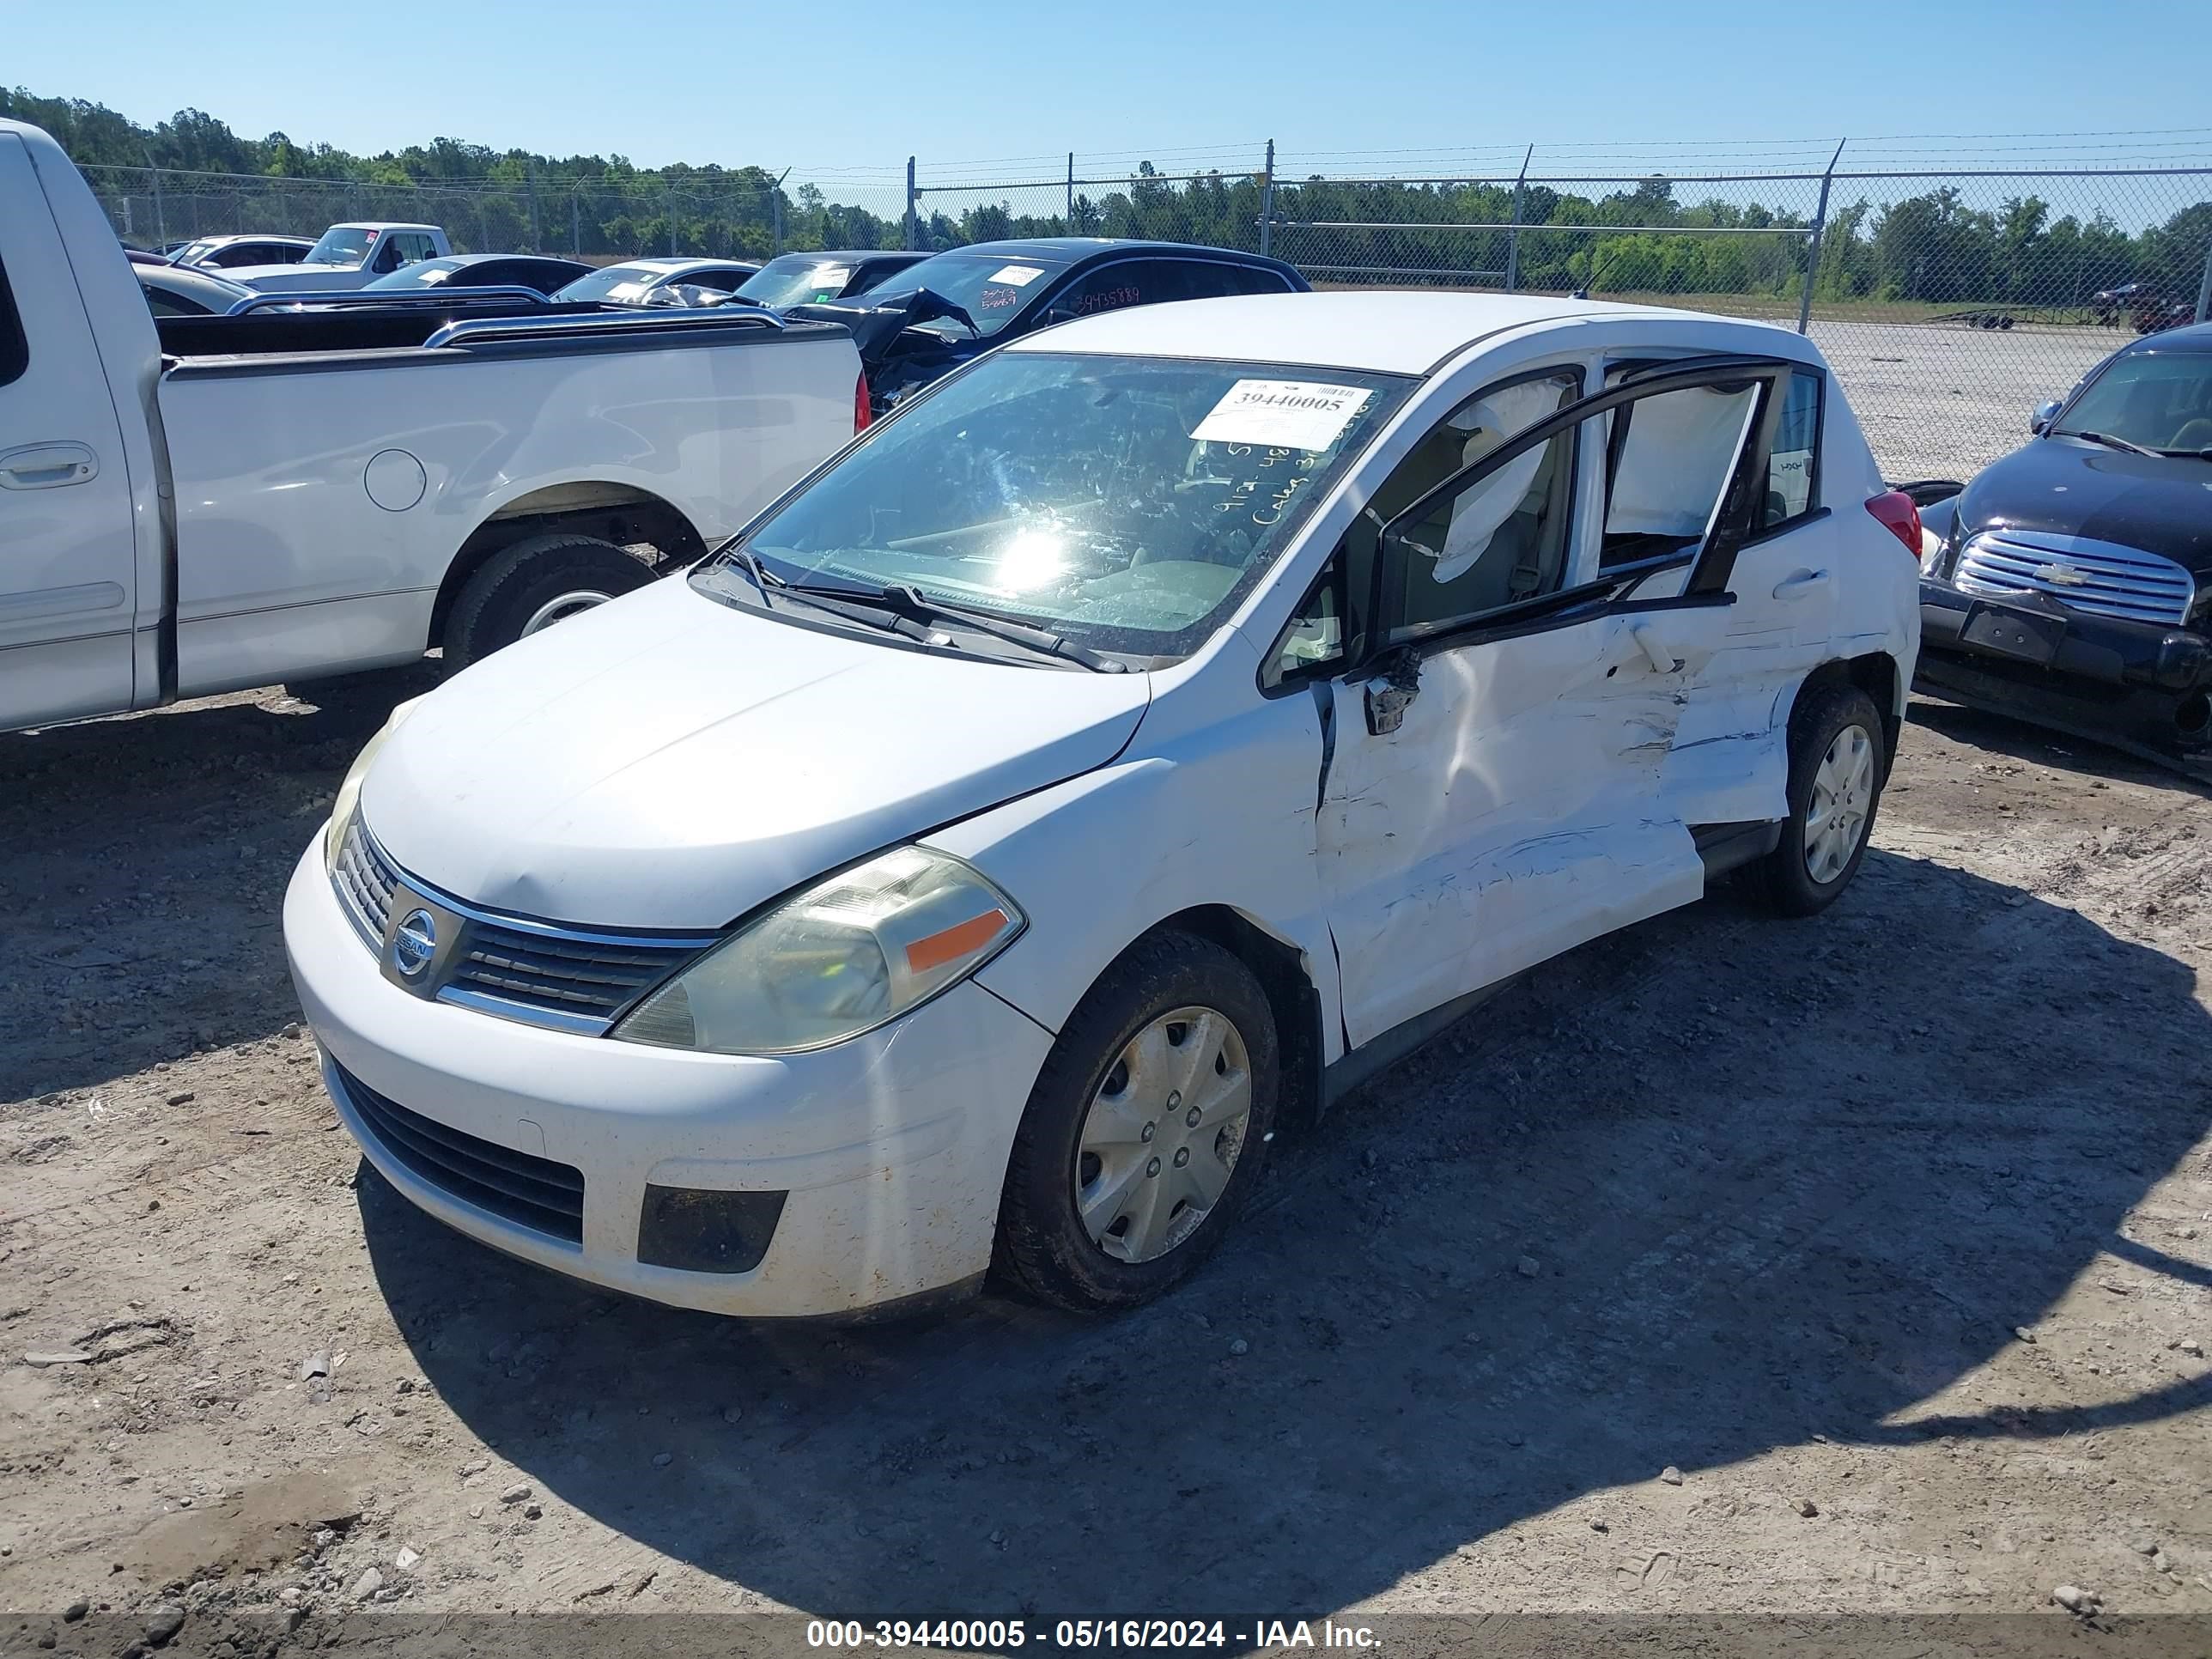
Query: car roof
[(854, 255), (232, 239), (1068, 250), (1381, 330), (663, 267), (380, 224), (2197, 336)]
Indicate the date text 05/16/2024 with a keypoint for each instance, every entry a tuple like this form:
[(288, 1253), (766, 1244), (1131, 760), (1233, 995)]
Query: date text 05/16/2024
[(1010, 1635)]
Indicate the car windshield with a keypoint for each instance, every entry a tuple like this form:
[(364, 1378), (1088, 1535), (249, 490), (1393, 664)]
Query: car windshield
[(423, 273), (991, 288), (2159, 400), (634, 282), (797, 279), (342, 245), (1125, 503), (193, 251)]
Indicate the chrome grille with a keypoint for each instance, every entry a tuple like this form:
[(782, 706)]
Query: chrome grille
[(2103, 578), (559, 976), (365, 879), (542, 973)]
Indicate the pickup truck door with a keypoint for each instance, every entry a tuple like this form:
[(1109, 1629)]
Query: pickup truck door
[(1497, 794), (67, 540)]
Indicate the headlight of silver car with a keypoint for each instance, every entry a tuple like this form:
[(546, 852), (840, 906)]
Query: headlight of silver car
[(842, 957), (347, 801)]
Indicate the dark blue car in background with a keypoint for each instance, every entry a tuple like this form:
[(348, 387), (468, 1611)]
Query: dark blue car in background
[(929, 319)]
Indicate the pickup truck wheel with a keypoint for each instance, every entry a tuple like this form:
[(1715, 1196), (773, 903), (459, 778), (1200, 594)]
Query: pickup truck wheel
[(532, 585), (1147, 1125), (1838, 765)]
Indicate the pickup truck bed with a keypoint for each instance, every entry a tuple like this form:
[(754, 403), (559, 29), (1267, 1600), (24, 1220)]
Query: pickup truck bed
[(228, 502)]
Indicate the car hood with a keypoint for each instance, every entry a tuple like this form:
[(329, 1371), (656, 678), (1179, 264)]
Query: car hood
[(2065, 486), (669, 761)]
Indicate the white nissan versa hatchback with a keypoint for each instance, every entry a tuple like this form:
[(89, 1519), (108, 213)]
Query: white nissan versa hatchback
[(1109, 757)]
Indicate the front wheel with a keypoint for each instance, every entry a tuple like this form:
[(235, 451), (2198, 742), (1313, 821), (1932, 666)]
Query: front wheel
[(1147, 1125), (532, 585), (1838, 765)]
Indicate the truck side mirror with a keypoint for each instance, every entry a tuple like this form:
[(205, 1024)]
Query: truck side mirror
[(2045, 413)]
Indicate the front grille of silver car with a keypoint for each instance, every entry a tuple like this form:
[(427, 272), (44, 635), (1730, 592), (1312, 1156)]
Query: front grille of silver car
[(540, 973), (2105, 579)]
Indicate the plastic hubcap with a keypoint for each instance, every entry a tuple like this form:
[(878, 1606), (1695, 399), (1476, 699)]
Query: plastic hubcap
[(1163, 1133)]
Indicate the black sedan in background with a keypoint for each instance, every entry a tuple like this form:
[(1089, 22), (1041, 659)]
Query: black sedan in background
[(540, 272), (933, 317), (2070, 583)]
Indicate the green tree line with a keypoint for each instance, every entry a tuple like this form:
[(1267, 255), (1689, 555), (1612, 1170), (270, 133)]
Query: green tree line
[(1930, 247)]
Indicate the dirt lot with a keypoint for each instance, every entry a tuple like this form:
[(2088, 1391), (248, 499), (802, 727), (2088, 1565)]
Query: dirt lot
[(1888, 1233)]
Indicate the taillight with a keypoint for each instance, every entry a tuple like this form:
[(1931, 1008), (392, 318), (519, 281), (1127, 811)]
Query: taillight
[(861, 413), (1895, 510)]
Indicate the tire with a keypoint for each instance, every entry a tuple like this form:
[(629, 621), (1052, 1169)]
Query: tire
[(1121, 1030), (1802, 875), (504, 600)]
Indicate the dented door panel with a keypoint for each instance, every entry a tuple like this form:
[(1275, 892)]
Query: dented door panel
[(1513, 815)]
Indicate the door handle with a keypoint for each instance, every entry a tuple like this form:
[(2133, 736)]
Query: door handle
[(1386, 695), (1663, 660), (1801, 585), (47, 466)]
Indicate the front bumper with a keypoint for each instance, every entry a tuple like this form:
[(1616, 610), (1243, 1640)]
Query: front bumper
[(2144, 683), (891, 1147)]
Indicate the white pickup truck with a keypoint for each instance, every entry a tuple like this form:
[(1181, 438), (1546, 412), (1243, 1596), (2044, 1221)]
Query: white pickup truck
[(350, 256), (231, 501)]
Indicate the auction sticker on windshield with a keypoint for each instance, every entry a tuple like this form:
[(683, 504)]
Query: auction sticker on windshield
[(1292, 414), (1019, 276)]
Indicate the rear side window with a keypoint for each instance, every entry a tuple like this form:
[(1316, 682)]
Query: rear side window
[(14, 352), (1793, 465), (1245, 279)]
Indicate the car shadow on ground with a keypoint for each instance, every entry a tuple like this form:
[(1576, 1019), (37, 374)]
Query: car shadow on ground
[(144, 882), (1756, 1205)]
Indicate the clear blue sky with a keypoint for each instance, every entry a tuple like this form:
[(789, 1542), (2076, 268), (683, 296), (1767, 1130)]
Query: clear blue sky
[(712, 82)]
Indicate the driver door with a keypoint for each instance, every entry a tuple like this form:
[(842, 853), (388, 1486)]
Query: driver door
[(1494, 794)]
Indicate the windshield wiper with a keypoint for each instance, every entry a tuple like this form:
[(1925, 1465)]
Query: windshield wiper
[(2109, 442), (908, 603)]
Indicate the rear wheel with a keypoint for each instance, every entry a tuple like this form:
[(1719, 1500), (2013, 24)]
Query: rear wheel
[(532, 585), (1147, 1125), (1837, 764)]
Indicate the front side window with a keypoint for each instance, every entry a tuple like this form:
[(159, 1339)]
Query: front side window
[(1126, 503), (2156, 400), (1455, 554)]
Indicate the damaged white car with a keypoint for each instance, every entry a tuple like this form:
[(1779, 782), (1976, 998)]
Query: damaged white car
[(1103, 762)]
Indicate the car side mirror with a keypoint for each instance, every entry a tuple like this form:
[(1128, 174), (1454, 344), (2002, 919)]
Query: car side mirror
[(2045, 413)]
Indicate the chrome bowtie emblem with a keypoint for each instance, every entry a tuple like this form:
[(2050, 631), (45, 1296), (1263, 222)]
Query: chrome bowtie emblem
[(413, 943), (2063, 575)]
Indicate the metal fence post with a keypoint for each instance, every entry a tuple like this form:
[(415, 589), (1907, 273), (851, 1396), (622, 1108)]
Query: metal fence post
[(537, 241), (668, 205), (1813, 248), (575, 225), (1071, 192), (1267, 205), (1513, 236), (2204, 286), (912, 225), (161, 224), (775, 215)]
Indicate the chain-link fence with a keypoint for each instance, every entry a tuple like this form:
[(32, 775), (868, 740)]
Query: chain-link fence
[(602, 221), (1950, 300)]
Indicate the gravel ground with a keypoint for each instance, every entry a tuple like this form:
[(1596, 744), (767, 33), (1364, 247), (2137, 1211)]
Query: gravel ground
[(1941, 400), (1861, 1264)]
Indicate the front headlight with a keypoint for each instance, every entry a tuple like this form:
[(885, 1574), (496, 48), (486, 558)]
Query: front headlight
[(842, 957), (347, 801)]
